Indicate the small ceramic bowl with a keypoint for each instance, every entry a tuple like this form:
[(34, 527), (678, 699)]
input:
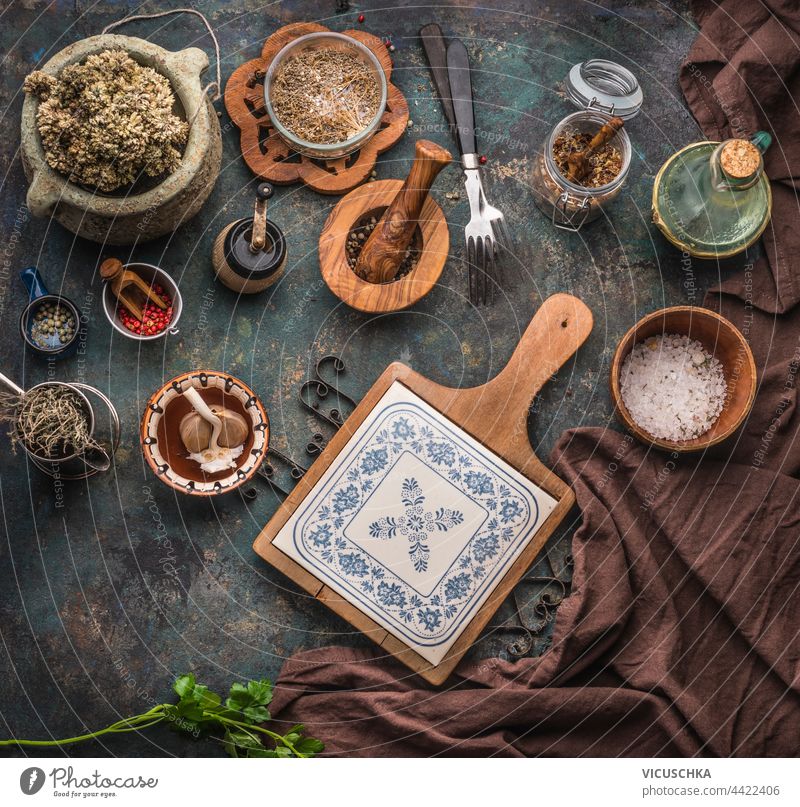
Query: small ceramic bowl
[(151, 274), (163, 448), (324, 40), (720, 338)]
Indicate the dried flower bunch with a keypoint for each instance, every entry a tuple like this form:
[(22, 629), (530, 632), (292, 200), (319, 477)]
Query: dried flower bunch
[(50, 421), (325, 96), (107, 121)]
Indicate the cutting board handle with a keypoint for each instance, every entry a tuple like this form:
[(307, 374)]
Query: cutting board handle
[(557, 330)]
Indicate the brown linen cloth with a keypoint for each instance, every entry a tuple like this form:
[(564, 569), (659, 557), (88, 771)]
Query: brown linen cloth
[(679, 638), (681, 633)]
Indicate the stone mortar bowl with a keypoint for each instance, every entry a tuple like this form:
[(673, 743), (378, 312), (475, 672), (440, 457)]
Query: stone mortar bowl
[(125, 218)]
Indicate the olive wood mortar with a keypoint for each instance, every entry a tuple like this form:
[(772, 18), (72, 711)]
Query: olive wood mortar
[(407, 208), (720, 338)]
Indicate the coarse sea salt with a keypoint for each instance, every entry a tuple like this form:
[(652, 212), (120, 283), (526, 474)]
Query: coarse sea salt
[(673, 387)]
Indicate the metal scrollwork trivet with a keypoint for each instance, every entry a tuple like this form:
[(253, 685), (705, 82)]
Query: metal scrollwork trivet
[(552, 591), (314, 393), (322, 389)]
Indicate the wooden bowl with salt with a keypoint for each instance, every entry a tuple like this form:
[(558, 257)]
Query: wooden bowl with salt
[(723, 341)]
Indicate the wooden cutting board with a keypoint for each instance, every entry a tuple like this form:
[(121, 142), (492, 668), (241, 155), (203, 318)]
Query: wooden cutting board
[(429, 504)]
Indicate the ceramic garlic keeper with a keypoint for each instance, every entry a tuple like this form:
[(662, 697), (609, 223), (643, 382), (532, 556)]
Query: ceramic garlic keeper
[(164, 451)]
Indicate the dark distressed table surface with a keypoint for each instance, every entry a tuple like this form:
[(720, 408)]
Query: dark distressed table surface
[(111, 587)]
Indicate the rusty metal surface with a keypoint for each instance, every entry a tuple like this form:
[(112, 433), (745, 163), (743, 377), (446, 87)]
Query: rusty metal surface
[(111, 587)]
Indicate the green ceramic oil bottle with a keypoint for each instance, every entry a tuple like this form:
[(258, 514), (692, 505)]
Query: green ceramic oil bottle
[(712, 199)]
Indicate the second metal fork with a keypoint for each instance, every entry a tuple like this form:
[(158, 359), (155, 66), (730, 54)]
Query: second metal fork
[(479, 236), (486, 230)]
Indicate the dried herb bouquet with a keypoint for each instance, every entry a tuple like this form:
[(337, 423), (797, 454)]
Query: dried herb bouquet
[(107, 121)]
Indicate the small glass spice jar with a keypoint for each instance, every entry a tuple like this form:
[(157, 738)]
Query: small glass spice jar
[(603, 90)]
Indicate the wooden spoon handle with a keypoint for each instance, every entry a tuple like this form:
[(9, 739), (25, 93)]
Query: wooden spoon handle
[(132, 279), (579, 163), (111, 268), (382, 254)]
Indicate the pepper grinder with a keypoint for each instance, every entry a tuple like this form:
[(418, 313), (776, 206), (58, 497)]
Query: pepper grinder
[(249, 254)]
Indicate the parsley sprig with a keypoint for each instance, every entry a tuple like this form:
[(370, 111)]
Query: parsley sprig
[(237, 723)]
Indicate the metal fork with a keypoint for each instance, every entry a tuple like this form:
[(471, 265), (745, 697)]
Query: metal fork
[(496, 219), (479, 237), (486, 221)]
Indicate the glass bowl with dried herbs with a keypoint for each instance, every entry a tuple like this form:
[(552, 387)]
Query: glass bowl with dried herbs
[(325, 94)]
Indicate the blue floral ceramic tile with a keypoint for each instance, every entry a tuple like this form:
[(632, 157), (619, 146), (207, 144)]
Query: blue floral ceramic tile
[(415, 523)]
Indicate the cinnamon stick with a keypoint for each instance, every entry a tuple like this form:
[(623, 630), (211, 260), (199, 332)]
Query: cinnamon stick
[(579, 162)]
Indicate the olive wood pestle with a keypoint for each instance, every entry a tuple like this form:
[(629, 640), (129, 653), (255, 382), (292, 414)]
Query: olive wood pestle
[(578, 162), (383, 251)]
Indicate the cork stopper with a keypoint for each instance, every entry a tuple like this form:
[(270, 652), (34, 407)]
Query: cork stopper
[(740, 159)]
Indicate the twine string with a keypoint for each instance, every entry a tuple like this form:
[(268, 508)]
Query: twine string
[(214, 85)]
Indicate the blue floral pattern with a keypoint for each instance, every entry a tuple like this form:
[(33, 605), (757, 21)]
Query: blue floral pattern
[(402, 430), (510, 510), (375, 460), (425, 619), (321, 535), (479, 482), (346, 499), (430, 618), (485, 547), (391, 595), (441, 453), (417, 524), (457, 587), (353, 564)]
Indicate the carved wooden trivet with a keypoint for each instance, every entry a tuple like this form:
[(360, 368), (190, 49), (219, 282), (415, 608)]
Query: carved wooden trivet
[(265, 152)]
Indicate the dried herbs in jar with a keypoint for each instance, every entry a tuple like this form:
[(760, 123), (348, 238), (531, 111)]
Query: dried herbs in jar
[(572, 197), (603, 164)]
